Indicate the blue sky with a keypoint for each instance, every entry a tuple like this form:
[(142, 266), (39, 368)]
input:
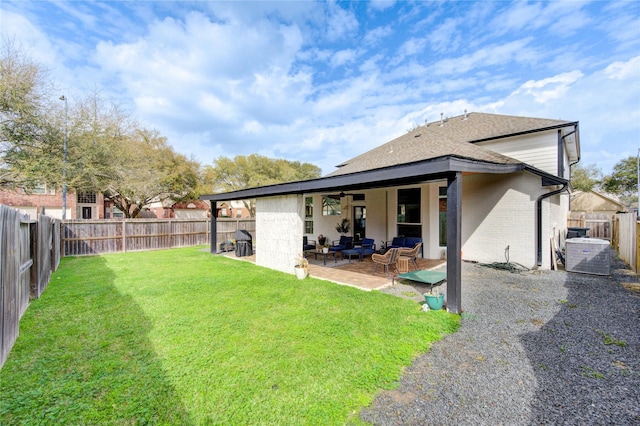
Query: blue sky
[(322, 82)]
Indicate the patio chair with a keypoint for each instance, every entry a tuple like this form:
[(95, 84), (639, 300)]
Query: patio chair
[(345, 243), (387, 259), (308, 244), (367, 248), (411, 253)]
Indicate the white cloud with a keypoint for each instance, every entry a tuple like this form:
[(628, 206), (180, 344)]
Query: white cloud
[(605, 102), (548, 89), (493, 55), (341, 23), (624, 70)]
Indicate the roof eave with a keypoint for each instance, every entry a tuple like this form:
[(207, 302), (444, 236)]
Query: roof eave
[(403, 174)]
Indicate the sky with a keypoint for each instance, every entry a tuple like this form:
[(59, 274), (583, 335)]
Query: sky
[(322, 82)]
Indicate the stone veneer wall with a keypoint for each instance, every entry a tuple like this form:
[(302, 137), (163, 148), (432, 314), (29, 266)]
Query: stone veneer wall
[(279, 231)]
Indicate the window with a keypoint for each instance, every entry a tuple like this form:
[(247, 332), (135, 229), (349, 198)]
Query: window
[(42, 189), (442, 208), (409, 217), (409, 205), (86, 197), (308, 215), (331, 205)]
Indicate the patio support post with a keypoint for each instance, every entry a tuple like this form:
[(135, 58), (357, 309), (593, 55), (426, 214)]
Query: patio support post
[(214, 229), (454, 243)]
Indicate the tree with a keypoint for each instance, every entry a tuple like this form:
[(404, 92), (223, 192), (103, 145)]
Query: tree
[(585, 178), (624, 179), (244, 172), (30, 129), (146, 169)]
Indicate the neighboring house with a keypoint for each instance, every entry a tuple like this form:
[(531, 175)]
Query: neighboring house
[(233, 209), (196, 209), (478, 187), (43, 200), (596, 202)]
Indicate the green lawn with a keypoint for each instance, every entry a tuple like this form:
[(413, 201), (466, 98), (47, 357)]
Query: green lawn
[(184, 337)]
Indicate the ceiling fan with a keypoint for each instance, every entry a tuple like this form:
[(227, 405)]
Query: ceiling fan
[(345, 194)]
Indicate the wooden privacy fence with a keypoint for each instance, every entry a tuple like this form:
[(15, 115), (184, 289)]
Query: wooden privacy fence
[(28, 254), (30, 251), (599, 224), (226, 228), (626, 230), (88, 237)]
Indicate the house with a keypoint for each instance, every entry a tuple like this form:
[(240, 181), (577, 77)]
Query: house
[(479, 187), (234, 209), (195, 209), (45, 200), (596, 202)]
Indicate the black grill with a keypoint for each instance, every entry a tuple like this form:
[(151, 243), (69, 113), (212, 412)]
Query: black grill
[(244, 245)]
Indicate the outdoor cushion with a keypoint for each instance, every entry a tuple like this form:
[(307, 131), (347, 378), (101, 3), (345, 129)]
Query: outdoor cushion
[(404, 242), (308, 245), (397, 242), (412, 241), (344, 244), (367, 247)]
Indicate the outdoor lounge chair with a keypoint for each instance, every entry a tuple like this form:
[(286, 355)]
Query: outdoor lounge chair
[(308, 244), (387, 259), (368, 247), (426, 277), (345, 243), (411, 253)]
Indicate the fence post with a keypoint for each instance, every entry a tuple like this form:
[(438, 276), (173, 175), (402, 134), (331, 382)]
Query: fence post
[(124, 236), (637, 247)]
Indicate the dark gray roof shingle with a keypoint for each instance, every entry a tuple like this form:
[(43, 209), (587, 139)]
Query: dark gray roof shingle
[(452, 137)]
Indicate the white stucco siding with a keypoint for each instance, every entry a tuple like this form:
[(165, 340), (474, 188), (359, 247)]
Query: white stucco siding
[(555, 227), (376, 203), (539, 150), (279, 231), (499, 211)]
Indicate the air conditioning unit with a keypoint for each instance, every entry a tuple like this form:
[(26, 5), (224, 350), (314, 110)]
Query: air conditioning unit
[(588, 256)]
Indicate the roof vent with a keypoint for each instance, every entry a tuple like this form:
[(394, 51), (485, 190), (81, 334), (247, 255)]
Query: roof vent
[(441, 119), (465, 115)]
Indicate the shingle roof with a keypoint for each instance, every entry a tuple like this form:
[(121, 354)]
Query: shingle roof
[(452, 137)]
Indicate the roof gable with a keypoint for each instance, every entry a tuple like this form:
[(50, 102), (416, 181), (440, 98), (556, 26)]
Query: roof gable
[(449, 137)]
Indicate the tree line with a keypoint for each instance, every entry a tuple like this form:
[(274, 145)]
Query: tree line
[(622, 181), (92, 144)]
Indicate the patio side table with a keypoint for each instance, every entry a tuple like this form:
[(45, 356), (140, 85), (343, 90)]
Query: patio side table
[(403, 264)]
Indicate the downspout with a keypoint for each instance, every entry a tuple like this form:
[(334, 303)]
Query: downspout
[(539, 218)]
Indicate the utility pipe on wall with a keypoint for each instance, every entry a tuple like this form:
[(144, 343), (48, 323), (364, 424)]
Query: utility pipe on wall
[(539, 219)]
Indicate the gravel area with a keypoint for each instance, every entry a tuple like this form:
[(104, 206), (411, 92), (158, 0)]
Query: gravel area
[(533, 348)]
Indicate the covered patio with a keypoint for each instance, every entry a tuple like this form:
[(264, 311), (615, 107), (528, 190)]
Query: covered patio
[(280, 210), (355, 274)]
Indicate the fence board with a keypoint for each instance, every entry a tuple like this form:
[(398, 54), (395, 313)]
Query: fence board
[(626, 238), (15, 269), (88, 237), (600, 224)]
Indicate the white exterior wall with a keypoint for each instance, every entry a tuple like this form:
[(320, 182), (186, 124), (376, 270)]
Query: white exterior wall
[(499, 211), (376, 203), (279, 231), (431, 223), (537, 149)]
